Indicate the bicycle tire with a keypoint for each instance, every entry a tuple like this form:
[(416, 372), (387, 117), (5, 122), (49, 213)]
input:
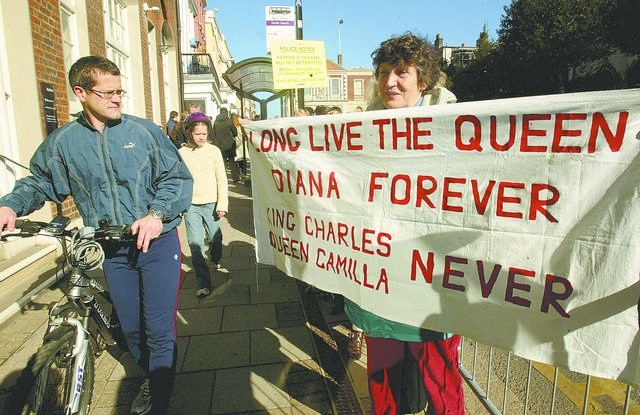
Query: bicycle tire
[(43, 387)]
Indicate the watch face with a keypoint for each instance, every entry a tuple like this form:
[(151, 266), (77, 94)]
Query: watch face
[(156, 214)]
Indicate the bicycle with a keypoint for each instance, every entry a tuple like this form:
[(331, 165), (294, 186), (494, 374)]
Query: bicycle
[(59, 377)]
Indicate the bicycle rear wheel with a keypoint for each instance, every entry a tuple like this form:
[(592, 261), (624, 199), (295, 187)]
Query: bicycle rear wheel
[(45, 385)]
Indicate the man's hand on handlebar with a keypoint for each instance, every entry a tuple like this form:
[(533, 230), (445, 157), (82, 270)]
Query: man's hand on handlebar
[(147, 228), (7, 219)]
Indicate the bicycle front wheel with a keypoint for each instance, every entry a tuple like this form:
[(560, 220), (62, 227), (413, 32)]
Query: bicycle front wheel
[(46, 384)]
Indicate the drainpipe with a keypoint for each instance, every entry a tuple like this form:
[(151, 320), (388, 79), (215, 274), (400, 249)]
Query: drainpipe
[(179, 52)]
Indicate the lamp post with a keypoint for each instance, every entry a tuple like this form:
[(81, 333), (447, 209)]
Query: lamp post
[(299, 37)]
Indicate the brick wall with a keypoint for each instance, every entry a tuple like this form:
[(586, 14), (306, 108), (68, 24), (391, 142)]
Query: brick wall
[(157, 19), (144, 44), (47, 53), (95, 20)]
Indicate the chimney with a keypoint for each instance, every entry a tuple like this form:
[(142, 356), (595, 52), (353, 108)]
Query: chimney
[(340, 59)]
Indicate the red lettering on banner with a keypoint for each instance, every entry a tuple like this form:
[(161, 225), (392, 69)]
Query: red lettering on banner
[(460, 269), (425, 269), (537, 130), (450, 272), (311, 184), (423, 192), (599, 123), (289, 247), (281, 219), (447, 193), (336, 140), (272, 140), (493, 136), (475, 140), (538, 205), (411, 133), (487, 286), (529, 131), (405, 190), (403, 181), (373, 185), (559, 132), (512, 285), (368, 241), (349, 268), (482, 201), (551, 297), (503, 198)]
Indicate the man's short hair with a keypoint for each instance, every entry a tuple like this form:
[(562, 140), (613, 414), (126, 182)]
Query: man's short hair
[(84, 71), (410, 50), (173, 114)]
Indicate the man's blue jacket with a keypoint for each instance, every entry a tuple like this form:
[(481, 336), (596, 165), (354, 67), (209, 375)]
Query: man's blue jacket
[(115, 176)]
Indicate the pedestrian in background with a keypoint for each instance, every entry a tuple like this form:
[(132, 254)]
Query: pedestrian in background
[(210, 200), (171, 123), (179, 134), (224, 132), (321, 110), (242, 152), (408, 365)]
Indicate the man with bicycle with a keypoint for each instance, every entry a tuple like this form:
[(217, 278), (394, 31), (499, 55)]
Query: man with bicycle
[(120, 169)]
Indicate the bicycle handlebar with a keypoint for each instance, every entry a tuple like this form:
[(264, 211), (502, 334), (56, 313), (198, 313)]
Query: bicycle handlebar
[(103, 233)]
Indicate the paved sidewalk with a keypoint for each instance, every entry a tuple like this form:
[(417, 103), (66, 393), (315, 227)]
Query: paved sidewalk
[(246, 348)]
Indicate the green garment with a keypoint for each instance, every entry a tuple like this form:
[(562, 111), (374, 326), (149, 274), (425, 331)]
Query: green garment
[(378, 327)]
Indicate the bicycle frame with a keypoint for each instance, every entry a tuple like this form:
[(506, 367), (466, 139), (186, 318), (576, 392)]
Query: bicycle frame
[(80, 309), (81, 300)]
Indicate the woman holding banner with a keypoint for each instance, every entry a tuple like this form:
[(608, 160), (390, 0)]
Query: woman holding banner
[(408, 367)]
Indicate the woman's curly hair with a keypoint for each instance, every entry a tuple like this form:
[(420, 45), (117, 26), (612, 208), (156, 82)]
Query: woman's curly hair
[(410, 50)]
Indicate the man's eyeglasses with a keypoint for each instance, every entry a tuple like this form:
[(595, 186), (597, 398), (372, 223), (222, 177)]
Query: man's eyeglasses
[(108, 94)]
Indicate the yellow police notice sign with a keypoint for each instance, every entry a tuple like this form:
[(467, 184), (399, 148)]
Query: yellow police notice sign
[(298, 64)]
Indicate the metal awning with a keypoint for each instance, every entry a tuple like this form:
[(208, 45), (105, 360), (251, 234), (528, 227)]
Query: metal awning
[(251, 76)]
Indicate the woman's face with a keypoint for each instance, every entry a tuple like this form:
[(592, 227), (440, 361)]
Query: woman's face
[(199, 132), (398, 85)]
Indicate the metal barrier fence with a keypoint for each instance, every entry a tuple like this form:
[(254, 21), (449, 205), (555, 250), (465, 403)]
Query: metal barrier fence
[(507, 384)]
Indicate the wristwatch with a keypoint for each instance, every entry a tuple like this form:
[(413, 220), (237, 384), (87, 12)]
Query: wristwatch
[(155, 213)]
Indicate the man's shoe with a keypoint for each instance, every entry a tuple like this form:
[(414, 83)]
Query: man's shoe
[(142, 403), (202, 292)]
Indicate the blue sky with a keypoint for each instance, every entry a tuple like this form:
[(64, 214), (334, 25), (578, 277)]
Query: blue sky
[(366, 23)]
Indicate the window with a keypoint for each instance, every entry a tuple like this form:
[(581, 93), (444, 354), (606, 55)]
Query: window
[(358, 87), (115, 25), (115, 14), (69, 38), (319, 94), (336, 87)]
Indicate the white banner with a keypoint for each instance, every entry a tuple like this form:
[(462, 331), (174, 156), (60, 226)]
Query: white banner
[(513, 222)]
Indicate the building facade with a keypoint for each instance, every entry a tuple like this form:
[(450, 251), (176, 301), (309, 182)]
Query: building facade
[(347, 88), (205, 57)]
